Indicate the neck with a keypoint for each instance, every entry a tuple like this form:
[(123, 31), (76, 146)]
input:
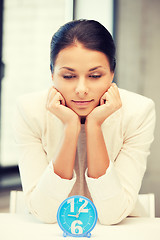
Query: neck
[(83, 119)]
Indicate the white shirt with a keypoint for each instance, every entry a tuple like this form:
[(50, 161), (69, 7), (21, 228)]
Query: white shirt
[(128, 134)]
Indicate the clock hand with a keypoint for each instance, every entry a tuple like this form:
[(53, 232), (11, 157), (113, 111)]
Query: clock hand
[(77, 215)]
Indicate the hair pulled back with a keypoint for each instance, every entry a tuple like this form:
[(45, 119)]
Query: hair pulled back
[(90, 33)]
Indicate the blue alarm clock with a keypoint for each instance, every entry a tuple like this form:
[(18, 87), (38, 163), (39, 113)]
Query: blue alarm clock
[(77, 216)]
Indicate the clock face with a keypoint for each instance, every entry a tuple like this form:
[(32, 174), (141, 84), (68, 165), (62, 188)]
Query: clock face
[(77, 216)]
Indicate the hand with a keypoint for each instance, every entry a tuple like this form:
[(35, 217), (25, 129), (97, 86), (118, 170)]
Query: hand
[(109, 103), (56, 105)]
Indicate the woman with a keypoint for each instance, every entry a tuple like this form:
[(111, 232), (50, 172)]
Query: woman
[(84, 136)]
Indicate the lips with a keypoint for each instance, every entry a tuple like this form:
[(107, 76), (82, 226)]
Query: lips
[(82, 103)]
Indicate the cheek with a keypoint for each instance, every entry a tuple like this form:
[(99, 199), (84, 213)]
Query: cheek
[(56, 83), (63, 89), (102, 89), (59, 85)]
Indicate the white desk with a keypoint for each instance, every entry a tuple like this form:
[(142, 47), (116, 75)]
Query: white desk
[(25, 227)]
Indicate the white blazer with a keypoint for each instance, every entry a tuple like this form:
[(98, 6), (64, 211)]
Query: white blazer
[(128, 134)]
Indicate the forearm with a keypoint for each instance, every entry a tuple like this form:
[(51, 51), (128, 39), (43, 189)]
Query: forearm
[(65, 158), (49, 192), (97, 155)]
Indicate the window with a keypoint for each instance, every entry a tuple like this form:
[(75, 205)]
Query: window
[(28, 26)]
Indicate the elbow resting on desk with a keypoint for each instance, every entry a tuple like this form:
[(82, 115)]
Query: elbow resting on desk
[(113, 212), (45, 209)]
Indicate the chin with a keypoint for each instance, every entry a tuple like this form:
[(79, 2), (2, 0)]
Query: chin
[(83, 114)]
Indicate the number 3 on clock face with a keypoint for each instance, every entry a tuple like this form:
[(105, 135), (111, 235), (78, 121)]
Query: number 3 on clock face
[(77, 216)]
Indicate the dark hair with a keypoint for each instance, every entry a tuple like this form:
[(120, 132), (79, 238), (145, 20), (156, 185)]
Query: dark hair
[(90, 33)]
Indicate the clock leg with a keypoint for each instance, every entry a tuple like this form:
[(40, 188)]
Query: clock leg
[(88, 235), (64, 234)]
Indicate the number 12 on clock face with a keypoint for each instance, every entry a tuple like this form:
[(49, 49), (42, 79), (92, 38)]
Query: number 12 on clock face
[(77, 216)]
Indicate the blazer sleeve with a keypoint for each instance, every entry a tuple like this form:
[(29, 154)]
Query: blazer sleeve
[(43, 189), (116, 192)]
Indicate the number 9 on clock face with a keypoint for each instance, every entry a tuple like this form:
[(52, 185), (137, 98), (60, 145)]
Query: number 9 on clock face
[(77, 216)]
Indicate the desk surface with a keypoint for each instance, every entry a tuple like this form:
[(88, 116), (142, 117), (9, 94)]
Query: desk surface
[(26, 227)]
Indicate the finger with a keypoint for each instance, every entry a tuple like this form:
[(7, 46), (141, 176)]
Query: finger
[(50, 96), (52, 89), (103, 99), (117, 98), (113, 90), (51, 93), (113, 84), (107, 98), (58, 99), (115, 87), (62, 99), (117, 94)]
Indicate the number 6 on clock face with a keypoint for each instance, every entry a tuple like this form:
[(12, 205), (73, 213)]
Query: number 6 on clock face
[(77, 216)]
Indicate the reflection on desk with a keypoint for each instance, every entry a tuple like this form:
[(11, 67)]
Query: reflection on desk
[(26, 227)]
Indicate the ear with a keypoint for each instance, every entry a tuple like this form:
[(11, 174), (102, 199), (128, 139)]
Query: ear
[(51, 69), (52, 79), (112, 77)]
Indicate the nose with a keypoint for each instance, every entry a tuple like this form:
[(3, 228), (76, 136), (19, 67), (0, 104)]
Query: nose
[(81, 88)]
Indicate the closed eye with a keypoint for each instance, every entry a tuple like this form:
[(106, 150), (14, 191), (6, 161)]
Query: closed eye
[(69, 76), (95, 76)]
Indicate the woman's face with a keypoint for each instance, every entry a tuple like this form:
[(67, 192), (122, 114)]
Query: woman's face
[(82, 76)]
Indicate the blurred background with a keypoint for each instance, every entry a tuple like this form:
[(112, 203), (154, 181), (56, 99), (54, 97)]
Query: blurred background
[(26, 28)]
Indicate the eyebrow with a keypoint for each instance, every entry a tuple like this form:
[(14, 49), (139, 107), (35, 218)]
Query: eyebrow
[(72, 70), (92, 69)]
